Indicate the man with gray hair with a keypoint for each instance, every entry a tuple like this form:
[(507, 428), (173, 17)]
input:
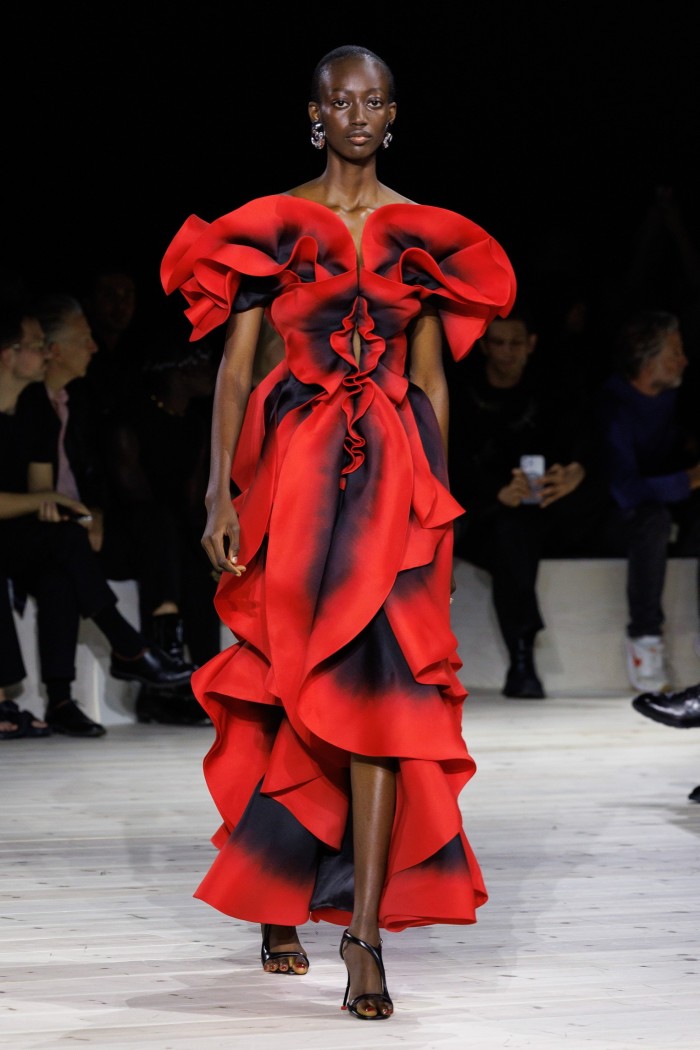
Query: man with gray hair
[(651, 454)]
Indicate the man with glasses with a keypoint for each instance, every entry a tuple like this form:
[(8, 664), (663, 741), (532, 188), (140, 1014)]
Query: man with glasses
[(45, 552)]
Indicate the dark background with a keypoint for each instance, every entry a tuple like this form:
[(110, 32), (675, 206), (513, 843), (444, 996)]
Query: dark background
[(549, 124)]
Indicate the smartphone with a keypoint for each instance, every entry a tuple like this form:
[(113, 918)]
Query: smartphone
[(533, 468), (75, 515)]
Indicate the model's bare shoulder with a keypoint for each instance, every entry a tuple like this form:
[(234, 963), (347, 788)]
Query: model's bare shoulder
[(310, 191), (390, 196)]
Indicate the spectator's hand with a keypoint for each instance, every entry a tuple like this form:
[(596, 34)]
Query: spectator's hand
[(54, 505), (96, 529), (513, 494), (559, 481), (48, 511), (221, 537)]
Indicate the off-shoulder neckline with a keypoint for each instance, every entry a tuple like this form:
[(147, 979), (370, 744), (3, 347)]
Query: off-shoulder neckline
[(329, 211)]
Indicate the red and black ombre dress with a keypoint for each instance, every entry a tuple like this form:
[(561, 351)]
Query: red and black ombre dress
[(342, 620)]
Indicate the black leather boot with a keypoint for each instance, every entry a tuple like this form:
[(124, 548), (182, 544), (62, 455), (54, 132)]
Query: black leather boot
[(151, 667), (522, 681), (177, 708), (167, 632)]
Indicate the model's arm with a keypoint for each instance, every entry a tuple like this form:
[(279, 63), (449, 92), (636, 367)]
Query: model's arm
[(427, 370), (233, 386)]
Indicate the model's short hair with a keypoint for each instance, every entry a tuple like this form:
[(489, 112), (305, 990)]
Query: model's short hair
[(641, 338), (348, 51)]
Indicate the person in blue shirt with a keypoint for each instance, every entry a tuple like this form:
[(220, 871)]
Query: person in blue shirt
[(652, 457)]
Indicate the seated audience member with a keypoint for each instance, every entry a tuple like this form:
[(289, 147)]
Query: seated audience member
[(157, 454), (653, 464), (63, 447), (501, 412), (45, 552), (110, 302)]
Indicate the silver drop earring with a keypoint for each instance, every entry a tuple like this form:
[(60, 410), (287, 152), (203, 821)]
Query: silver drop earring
[(387, 137), (318, 135)]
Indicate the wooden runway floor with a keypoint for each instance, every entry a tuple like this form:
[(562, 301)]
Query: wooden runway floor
[(591, 937)]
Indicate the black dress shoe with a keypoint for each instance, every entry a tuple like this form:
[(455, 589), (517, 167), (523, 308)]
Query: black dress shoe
[(694, 795), (680, 710), (151, 667), (176, 708), (67, 718), (522, 681)]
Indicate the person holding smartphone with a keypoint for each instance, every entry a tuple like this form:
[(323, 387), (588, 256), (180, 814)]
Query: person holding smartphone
[(46, 553), (520, 463)]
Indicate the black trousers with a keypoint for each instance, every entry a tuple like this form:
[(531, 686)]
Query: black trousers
[(647, 533), (12, 669), (56, 565), (510, 542), (150, 543)]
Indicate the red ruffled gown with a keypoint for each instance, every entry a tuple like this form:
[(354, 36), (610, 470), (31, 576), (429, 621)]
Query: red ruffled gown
[(342, 620)]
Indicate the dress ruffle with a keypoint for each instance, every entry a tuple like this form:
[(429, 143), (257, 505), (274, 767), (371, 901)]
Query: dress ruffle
[(343, 643)]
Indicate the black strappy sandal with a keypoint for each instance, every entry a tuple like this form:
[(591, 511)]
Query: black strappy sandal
[(23, 721), (267, 956), (381, 997)]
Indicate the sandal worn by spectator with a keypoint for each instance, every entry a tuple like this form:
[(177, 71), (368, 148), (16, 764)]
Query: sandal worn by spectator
[(24, 723)]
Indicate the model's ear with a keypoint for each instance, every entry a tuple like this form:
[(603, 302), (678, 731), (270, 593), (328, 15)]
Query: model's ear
[(313, 112)]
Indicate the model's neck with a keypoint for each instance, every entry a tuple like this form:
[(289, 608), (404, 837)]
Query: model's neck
[(349, 187)]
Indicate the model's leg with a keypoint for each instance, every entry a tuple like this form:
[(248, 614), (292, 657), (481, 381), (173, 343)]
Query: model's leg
[(373, 783)]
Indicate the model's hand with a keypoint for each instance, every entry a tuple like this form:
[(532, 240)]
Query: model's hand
[(559, 481), (221, 538), (513, 494)]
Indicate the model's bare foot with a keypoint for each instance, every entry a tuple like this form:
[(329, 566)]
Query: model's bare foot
[(282, 951), (365, 976)]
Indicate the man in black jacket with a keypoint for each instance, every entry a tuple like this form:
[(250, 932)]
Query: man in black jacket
[(504, 420)]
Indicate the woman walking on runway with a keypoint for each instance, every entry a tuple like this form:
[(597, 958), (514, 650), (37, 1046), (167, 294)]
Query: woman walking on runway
[(339, 755)]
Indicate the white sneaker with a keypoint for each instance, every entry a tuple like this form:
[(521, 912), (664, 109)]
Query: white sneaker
[(646, 664)]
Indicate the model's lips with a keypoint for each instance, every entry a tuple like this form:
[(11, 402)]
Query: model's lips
[(359, 136)]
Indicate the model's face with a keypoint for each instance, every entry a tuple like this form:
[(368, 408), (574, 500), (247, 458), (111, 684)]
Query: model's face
[(665, 370), (73, 346), (31, 354), (354, 107), (507, 346)]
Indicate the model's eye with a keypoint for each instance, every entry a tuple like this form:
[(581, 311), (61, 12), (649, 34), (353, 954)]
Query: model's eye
[(375, 103), (339, 103)]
